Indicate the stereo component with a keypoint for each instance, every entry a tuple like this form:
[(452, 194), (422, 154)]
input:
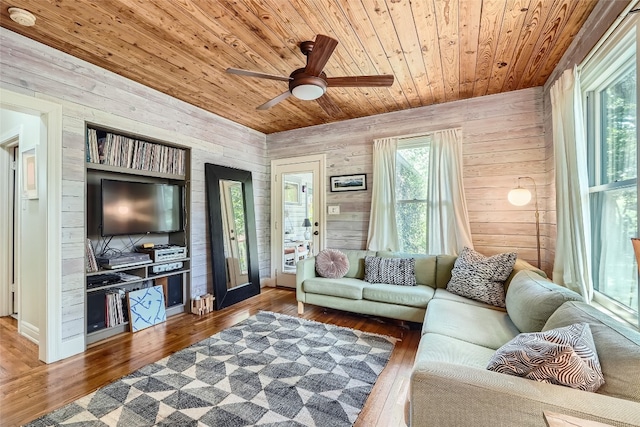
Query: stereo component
[(161, 268), (160, 253)]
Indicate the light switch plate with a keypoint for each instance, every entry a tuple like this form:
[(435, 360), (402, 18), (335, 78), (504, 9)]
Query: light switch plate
[(334, 210)]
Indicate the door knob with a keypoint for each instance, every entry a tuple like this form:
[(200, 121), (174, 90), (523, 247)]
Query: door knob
[(315, 233), (316, 223)]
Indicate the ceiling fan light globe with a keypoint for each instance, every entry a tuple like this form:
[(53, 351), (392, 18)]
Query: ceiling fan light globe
[(307, 92)]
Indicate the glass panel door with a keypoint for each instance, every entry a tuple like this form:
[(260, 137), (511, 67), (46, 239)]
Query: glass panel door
[(297, 207), (298, 219)]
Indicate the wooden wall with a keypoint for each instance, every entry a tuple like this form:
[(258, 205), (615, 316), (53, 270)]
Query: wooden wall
[(503, 138), (89, 93)]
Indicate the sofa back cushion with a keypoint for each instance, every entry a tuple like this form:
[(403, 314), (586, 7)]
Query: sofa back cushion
[(425, 266), (356, 262), (532, 299), (518, 267), (618, 347), (444, 266)]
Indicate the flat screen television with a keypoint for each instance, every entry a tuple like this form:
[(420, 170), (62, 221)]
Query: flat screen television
[(140, 207)]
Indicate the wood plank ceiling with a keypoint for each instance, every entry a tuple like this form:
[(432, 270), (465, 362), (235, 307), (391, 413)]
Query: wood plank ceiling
[(438, 50)]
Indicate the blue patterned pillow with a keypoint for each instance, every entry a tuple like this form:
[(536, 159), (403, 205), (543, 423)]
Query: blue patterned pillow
[(481, 278), (393, 271), (563, 356)]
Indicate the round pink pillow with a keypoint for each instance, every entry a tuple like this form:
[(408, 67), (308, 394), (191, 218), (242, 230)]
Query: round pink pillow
[(332, 264)]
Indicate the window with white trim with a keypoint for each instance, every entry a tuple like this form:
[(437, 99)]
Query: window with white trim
[(609, 84), (412, 166)]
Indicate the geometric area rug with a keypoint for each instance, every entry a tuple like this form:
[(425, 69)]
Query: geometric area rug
[(269, 370)]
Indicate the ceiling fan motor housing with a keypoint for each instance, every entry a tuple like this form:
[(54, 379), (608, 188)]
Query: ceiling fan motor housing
[(307, 87)]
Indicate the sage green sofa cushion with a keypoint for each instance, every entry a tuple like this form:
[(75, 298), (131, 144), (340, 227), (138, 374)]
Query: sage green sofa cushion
[(445, 294), (412, 296), (444, 266), (441, 348), (618, 347), (356, 262), (531, 299), (344, 287), (466, 322)]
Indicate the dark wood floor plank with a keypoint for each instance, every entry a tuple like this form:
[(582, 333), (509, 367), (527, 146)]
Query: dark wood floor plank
[(30, 388)]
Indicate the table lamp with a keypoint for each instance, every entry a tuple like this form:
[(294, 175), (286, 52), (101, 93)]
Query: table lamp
[(306, 224)]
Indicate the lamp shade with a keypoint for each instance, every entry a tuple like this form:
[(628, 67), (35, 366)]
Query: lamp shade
[(306, 223), (519, 196)]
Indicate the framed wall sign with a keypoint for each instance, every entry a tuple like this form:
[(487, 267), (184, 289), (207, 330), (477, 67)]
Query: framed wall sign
[(349, 182), (29, 174)]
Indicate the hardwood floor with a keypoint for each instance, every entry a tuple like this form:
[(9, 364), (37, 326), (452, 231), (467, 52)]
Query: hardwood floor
[(30, 388)]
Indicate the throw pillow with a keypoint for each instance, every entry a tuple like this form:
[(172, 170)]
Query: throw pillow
[(564, 356), (393, 271), (332, 263), (481, 278)]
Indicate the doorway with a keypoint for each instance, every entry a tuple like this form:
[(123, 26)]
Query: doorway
[(297, 230), (38, 265), (9, 249)]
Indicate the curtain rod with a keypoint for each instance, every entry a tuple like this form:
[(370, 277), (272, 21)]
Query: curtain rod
[(415, 135)]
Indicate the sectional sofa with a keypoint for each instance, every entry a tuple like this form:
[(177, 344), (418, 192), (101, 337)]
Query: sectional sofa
[(352, 293), (450, 384)]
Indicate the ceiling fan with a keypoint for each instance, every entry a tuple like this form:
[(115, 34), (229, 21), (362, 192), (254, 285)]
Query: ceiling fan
[(311, 82)]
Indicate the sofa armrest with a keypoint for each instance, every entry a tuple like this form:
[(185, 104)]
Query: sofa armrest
[(446, 394), (305, 269)]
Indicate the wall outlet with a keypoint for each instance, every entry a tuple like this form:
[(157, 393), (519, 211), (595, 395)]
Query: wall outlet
[(334, 210)]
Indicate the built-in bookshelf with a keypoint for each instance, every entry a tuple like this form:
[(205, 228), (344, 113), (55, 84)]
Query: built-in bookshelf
[(108, 148), (114, 155)]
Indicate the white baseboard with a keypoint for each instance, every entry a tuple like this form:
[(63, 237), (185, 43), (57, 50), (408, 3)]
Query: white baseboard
[(72, 347), (268, 282), (31, 332)]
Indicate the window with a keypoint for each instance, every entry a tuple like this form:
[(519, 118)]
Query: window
[(412, 165), (610, 93)]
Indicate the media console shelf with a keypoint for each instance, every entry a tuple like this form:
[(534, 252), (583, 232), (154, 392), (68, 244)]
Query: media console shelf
[(114, 156)]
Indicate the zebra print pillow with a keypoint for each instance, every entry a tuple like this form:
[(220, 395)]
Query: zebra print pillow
[(563, 356), (393, 271), (481, 278)]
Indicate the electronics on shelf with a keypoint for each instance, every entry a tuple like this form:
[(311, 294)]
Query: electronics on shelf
[(129, 207), (128, 259), (162, 268), (99, 280), (161, 253)]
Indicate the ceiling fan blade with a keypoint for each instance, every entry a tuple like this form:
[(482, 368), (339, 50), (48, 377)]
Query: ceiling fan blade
[(257, 74), (274, 101), (322, 50), (383, 80), (329, 106)]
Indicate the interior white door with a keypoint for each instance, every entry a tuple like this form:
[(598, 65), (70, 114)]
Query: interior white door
[(297, 228), (8, 223)]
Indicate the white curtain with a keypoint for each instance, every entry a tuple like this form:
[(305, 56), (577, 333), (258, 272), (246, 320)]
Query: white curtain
[(383, 230), (572, 262), (448, 229)]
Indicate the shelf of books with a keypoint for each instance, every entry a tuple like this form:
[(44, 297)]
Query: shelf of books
[(113, 152)]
